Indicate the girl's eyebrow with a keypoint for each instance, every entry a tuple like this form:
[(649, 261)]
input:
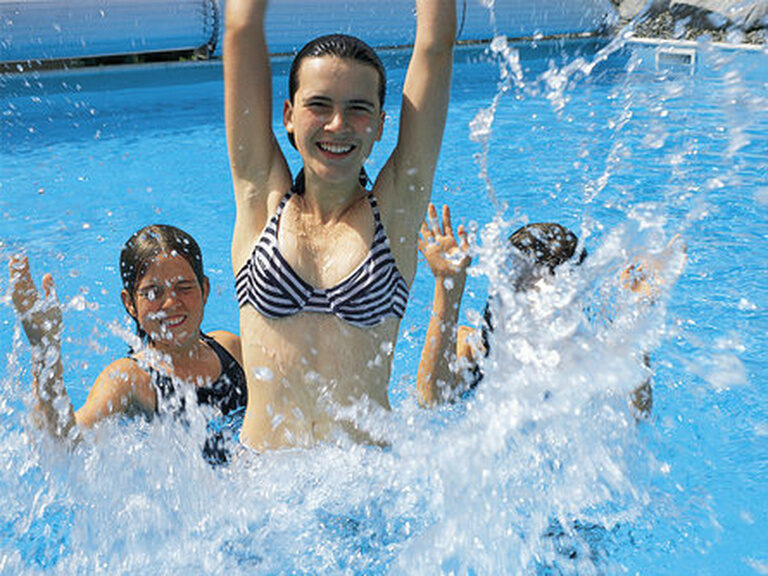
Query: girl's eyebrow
[(327, 99), (363, 102), (178, 280), (317, 98)]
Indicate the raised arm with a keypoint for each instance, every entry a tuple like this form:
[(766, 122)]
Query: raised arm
[(422, 118), (254, 154), (647, 278), (122, 387), (437, 379), (40, 318)]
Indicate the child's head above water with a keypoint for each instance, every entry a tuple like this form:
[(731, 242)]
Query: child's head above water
[(546, 243), (538, 248), (542, 246), (338, 46), (146, 245), (344, 47)]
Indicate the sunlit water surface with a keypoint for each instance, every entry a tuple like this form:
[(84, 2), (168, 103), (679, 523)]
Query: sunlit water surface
[(544, 470)]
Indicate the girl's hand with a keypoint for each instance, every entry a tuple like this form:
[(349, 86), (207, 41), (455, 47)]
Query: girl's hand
[(652, 272), (40, 317), (445, 256)]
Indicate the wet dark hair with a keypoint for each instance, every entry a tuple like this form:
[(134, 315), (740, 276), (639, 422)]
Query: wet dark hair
[(340, 46), (543, 245), (546, 244), (145, 245)]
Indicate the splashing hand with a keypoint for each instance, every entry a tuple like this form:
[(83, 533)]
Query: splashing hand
[(40, 317), (445, 256), (652, 272)]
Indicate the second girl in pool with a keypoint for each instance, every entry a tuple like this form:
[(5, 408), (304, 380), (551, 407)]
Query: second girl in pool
[(164, 291)]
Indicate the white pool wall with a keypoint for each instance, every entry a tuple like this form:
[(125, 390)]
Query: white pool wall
[(61, 29), (40, 30)]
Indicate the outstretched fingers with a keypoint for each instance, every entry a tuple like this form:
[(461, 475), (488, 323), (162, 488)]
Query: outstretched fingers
[(49, 287), (23, 290), (445, 255), (40, 316), (437, 228), (464, 238), (434, 223), (447, 227), (425, 237)]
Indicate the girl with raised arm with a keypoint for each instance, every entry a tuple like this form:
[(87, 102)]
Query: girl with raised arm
[(323, 265), (452, 357), (164, 291)]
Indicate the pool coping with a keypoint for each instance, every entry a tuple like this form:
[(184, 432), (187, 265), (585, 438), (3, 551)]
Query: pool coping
[(111, 69), (214, 62), (697, 44)]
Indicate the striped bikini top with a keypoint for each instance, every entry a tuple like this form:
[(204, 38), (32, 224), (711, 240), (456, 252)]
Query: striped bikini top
[(371, 292)]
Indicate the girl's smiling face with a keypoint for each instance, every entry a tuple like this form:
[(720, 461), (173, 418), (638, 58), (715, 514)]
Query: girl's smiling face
[(335, 117), (168, 302)]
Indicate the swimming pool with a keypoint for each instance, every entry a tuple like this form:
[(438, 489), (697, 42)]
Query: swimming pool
[(628, 153)]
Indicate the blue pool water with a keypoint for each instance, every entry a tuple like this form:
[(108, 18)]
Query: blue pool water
[(627, 153)]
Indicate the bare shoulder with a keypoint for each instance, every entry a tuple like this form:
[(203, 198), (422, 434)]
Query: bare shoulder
[(123, 370), (122, 387), (230, 341), (126, 379)]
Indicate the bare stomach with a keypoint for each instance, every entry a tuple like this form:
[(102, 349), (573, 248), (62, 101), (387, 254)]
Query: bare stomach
[(307, 372)]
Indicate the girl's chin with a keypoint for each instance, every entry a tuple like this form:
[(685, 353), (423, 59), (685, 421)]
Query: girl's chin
[(337, 168), (170, 340)]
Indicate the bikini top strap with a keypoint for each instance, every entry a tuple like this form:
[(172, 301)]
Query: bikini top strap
[(281, 206), (375, 209)]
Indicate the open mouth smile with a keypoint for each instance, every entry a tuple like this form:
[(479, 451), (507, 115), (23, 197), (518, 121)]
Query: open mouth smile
[(174, 321), (335, 149), (170, 322)]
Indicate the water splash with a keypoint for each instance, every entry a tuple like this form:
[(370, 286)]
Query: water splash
[(544, 470)]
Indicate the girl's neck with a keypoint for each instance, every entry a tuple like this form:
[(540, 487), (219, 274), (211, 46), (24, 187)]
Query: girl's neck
[(329, 202), (179, 357)]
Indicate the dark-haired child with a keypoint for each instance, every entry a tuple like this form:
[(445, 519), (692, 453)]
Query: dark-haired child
[(164, 291), (452, 355), (323, 264)]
